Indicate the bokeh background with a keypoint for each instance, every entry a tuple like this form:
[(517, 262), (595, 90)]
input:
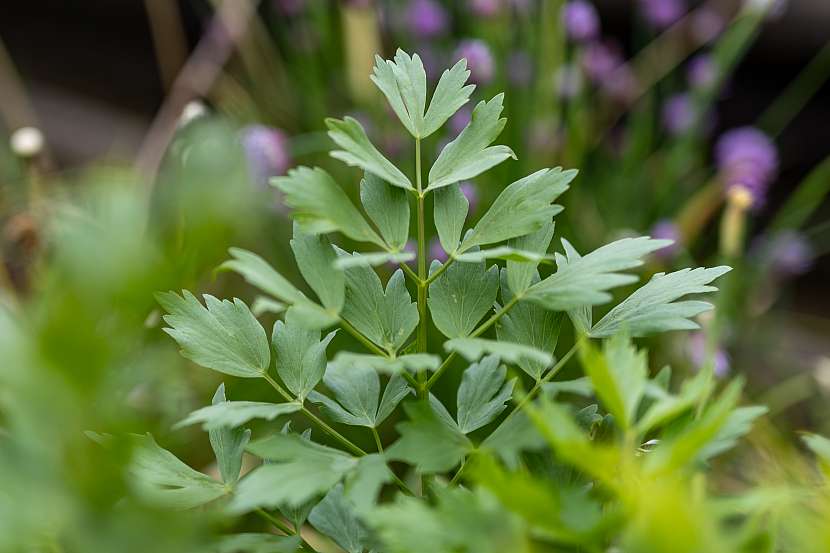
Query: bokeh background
[(161, 122)]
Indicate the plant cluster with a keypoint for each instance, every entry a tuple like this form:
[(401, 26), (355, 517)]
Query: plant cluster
[(520, 459)]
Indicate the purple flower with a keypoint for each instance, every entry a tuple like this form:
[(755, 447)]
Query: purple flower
[(427, 18), (747, 158), (666, 230), (696, 350), (706, 25), (679, 114), (519, 69), (702, 72), (789, 254), (661, 14), (479, 60), (470, 192), (580, 19), (600, 59), (436, 251), (485, 8), (267, 152), (461, 119)]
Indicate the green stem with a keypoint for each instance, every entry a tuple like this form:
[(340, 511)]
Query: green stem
[(457, 474), (347, 443), (284, 528), (375, 349), (538, 386), (410, 273), (476, 333), (422, 267), (377, 439), (439, 271)]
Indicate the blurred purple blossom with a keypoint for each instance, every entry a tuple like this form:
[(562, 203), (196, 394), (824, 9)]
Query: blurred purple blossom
[(426, 18), (679, 114), (436, 251), (485, 8), (661, 14), (702, 72), (479, 60), (747, 158), (519, 68), (580, 19), (600, 59), (431, 60), (788, 254), (706, 25), (666, 230), (471, 193), (267, 152), (461, 119), (696, 350)]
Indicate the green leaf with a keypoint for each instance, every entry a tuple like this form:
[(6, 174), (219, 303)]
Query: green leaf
[(230, 414), (358, 151), (320, 206), (450, 212), (820, 446), (225, 336), (618, 374), (513, 436), (472, 349), (387, 207), (462, 296), (584, 280), (469, 155), (520, 273), (667, 407), (507, 253), (256, 543), (450, 94), (529, 324), (261, 274), (299, 470), (162, 479), (335, 517), (363, 484), (427, 441), (388, 317), (356, 388), (228, 444), (264, 304), (301, 356), (403, 82), (483, 394), (411, 362), (372, 259), (687, 446), (524, 207), (315, 256), (737, 425), (653, 307), (802, 203)]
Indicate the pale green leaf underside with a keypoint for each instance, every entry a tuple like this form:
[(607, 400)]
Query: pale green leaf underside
[(321, 206), (358, 151), (230, 414), (523, 207), (228, 444), (472, 349), (412, 361), (468, 155), (223, 336), (164, 480), (653, 307), (372, 259), (587, 279)]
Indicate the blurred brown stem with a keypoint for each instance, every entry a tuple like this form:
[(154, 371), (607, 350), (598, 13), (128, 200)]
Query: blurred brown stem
[(229, 25), (168, 38)]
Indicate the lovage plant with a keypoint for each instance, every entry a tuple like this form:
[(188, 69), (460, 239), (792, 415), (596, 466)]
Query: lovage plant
[(517, 459)]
